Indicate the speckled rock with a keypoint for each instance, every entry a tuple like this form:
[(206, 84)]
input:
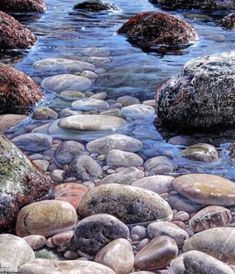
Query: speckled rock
[(44, 266), (23, 6), (151, 29), (228, 22), (210, 217), (206, 189), (196, 88), (20, 183), (90, 104), (217, 242), (96, 5), (14, 252), (117, 255), (44, 113), (10, 120), (45, 218), (35, 241), (159, 165), (157, 229), (157, 254), (18, 92), (201, 152), (128, 203), (94, 232)]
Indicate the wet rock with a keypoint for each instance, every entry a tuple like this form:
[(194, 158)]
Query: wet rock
[(117, 255), (157, 254), (181, 203), (90, 104), (45, 218), (91, 122), (217, 242), (159, 184), (45, 266), (228, 22), (85, 168), (159, 165), (124, 176), (206, 189), (96, 5), (210, 217), (44, 113), (128, 203), (20, 183), (10, 120), (119, 158), (128, 100), (196, 88), (157, 229), (35, 241), (67, 151), (41, 165), (34, 142), (13, 34), (65, 82), (18, 92), (138, 111), (23, 6), (95, 232), (201, 152), (115, 141), (152, 29)]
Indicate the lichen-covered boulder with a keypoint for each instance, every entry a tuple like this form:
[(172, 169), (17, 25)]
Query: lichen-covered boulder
[(20, 183), (202, 96), (152, 29), (13, 34), (18, 92), (23, 5)]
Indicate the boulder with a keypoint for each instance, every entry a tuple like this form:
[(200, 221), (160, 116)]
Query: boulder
[(23, 6), (95, 5), (228, 22)]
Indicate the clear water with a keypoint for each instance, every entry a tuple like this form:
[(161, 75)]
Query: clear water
[(63, 32)]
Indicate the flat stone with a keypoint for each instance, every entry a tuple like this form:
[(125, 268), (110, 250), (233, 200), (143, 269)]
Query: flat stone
[(36, 241), (157, 254), (95, 232), (206, 189), (45, 218), (64, 82), (90, 104), (117, 255), (138, 111), (181, 203), (128, 203), (10, 120), (159, 165), (128, 100)]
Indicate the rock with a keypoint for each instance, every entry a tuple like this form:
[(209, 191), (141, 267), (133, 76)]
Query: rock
[(119, 158), (18, 92), (115, 141), (13, 34), (159, 165), (49, 254), (62, 65), (206, 189), (63, 239), (45, 266), (159, 184), (210, 217), (95, 232), (117, 255), (128, 100), (33, 142), (44, 113), (91, 122), (198, 4), (124, 176), (157, 229), (20, 184), (14, 252), (152, 29), (196, 88), (96, 5), (217, 242), (157, 254), (10, 120), (90, 104), (138, 111), (45, 218), (67, 151), (140, 231), (65, 82), (35, 241), (71, 193), (23, 6), (198, 262), (228, 22), (128, 203), (41, 165), (201, 152), (181, 203), (85, 168)]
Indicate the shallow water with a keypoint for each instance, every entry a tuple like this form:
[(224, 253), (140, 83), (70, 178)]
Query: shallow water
[(63, 32)]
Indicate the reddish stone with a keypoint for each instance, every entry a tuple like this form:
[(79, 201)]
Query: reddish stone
[(13, 34), (18, 92), (23, 5), (151, 29), (228, 22)]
